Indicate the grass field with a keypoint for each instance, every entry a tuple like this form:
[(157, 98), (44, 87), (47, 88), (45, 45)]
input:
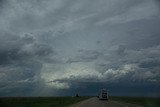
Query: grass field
[(145, 101), (39, 101), (66, 101)]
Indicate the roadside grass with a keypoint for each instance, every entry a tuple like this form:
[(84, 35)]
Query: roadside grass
[(144, 101), (39, 101)]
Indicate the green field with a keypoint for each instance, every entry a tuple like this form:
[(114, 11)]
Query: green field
[(66, 101), (145, 101), (39, 101)]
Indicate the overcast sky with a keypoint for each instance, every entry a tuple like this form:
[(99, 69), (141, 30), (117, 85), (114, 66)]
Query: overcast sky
[(64, 47)]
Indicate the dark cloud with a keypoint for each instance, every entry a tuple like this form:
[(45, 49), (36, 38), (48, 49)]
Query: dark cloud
[(85, 56), (150, 63), (54, 47), (18, 48)]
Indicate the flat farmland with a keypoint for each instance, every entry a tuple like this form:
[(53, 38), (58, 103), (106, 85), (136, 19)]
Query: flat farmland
[(80, 101), (39, 101), (144, 101)]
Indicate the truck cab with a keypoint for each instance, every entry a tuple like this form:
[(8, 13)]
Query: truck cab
[(103, 94)]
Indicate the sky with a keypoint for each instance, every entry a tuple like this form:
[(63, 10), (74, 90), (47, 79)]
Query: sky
[(64, 47)]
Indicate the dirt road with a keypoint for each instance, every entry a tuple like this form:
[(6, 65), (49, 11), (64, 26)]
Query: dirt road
[(95, 102)]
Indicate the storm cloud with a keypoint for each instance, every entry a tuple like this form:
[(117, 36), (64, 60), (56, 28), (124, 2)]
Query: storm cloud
[(57, 47)]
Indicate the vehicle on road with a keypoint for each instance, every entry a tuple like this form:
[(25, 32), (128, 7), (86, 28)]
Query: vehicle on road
[(103, 94)]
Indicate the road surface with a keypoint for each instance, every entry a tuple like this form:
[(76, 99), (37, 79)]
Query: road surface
[(95, 102)]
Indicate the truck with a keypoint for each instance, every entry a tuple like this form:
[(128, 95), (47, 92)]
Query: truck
[(103, 94)]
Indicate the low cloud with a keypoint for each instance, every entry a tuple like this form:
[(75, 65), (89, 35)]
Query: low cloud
[(132, 69)]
